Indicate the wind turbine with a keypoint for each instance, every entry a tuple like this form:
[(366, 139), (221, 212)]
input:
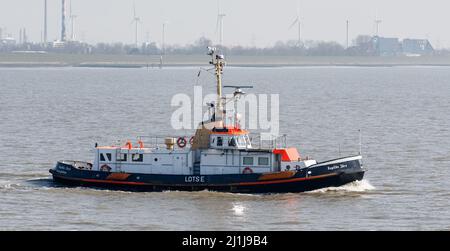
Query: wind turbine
[(298, 23), (377, 23), (136, 20), (164, 37), (72, 21), (219, 24)]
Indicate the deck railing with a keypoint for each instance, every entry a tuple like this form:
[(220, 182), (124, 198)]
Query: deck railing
[(158, 142), (268, 142)]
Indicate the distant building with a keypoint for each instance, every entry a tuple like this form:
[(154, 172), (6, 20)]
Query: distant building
[(385, 46), (8, 41), (417, 47), (59, 44)]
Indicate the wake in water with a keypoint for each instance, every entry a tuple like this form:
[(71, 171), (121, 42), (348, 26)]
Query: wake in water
[(355, 186)]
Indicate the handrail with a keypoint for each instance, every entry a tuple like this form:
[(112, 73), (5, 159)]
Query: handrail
[(152, 141), (273, 142), (156, 142)]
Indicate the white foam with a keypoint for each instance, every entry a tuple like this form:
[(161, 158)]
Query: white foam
[(7, 184), (355, 186), (238, 209)]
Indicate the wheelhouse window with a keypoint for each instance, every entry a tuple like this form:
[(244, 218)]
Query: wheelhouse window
[(247, 161), (137, 157), (247, 139), (241, 141), (122, 157), (102, 157), (263, 161), (108, 156), (219, 141), (232, 141)]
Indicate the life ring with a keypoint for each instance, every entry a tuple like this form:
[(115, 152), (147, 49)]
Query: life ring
[(141, 144), (129, 145), (181, 142), (105, 168), (247, 170), (191, 141)]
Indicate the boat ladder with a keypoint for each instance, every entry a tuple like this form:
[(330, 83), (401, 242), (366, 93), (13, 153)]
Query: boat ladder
[(197, 168)]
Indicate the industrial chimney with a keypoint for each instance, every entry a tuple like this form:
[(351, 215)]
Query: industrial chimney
[(45, 22), (63, 22)]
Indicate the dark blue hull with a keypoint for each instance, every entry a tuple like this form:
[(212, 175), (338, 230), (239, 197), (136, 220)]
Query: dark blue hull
[(322, 175)]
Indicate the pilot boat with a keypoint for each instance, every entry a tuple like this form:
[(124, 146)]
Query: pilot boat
[(218, 157)]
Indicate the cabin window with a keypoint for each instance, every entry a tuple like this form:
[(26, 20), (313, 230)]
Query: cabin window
[(122, 157), (137, 157), (241, 141), (108, 156), (102, 157), (247, 161), (219, 141), (232, 142), (247, 140), (263, 161)]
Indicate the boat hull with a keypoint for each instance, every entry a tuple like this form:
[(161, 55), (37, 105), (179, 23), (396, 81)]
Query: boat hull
[(326, 174)]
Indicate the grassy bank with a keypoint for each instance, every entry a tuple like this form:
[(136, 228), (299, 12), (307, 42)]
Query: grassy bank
[(61, 60)]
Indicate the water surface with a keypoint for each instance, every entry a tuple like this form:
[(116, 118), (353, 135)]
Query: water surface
[(48, 114)]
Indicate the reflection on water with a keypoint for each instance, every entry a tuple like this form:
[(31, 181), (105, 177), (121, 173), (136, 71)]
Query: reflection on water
[(238, 209)]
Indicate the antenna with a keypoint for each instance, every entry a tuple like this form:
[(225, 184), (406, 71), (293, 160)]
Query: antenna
[(238, 89), (218, 61), (236, 96), (360, 142)]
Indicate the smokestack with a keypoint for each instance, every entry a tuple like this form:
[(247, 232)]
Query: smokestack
[(63, 21), (45, 22), (346, 46), (25, 38)]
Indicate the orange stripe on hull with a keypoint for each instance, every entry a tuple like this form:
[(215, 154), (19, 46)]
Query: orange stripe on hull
[(118, 176), (276, 176), (114, 182), (284, 181)]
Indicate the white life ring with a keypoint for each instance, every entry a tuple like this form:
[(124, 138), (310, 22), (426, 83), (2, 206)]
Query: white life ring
[(247, 170), (105, 168)]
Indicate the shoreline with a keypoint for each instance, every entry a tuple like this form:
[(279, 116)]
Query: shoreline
[(12, 60)]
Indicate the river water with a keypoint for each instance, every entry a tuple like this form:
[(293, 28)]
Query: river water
[(48, 114)]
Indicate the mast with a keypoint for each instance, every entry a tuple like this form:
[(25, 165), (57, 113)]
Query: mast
[(218, 61)]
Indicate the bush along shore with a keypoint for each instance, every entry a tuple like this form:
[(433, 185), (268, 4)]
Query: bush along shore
[(155, 61)]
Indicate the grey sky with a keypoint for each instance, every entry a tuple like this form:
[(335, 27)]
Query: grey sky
[(247, 22)]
